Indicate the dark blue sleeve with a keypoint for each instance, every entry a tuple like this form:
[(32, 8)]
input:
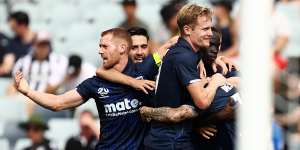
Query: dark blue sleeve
[(232, 73), (84, 89), (186, 69), (148, 68)]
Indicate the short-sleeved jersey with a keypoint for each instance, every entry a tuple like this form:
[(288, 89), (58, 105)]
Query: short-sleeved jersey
[(225, 137), (179, 68), (118, 105)]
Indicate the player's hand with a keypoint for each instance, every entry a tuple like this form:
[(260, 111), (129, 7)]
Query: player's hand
[(218, 79), (208, 131), (229, 109), (223, 62), (20, 83), (143, 85), (202, 70), (162, 50)]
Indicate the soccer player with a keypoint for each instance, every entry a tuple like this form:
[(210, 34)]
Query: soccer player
[(118, 105), (219, 113), (179, 82)]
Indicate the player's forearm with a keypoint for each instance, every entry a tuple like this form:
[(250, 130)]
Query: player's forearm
[(209, 94), (49, 101), (169, 115), (221, 116), (235, 81), (114, 76)]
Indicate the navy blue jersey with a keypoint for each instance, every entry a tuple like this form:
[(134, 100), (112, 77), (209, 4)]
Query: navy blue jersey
[(225, 137), (118, 105), (179, 68)]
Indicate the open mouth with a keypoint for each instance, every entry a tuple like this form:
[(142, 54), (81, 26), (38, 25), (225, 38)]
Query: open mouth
[(139, 59)]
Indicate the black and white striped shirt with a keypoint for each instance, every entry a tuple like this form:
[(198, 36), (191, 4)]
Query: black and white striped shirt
[(39, 74)]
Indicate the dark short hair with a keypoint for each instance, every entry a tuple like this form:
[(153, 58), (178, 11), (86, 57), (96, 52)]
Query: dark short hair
[(138, 31), (20, 17), (75, 61), (128, 2), (119, 33), (171, 9)]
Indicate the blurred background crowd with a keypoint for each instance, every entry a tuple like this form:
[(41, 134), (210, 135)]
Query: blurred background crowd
[(55, 44)]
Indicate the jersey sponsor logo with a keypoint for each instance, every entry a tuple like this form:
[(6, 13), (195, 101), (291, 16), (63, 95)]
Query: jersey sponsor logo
[(227, 87), (103, 92), (122, 108)]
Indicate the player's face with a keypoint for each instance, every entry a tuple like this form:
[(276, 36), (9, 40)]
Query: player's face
[(201, 33), (212, 52), (14, 26), (108, 49), (140, 48)]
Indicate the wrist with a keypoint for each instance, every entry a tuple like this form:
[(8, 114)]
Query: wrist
[(27, 92), (131, 82)]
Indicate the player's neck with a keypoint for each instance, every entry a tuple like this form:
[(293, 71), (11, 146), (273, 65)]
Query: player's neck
[(188, 39), (122, 64)]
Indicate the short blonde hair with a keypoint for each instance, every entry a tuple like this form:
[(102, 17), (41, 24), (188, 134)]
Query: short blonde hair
[(189, 13)]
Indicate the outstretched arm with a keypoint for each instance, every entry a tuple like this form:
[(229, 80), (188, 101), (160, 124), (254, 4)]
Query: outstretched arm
[(168, 114), (50, 101)]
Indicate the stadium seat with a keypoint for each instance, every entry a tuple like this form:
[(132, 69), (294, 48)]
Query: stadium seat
[(292, 13), (60, 130), (4, 145), (89, 105), (29, 8), (22, 143), (48, 114), (12, 132), (1, 128), (3, 14), (4, 82), (14, 108)]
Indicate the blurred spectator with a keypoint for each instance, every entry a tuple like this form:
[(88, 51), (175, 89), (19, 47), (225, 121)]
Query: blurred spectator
[(35, 129), (89, 134), (6, 58), (42, 68), (21, 43), (280, 32), (168, 14), (129, 7), (77, 72), (225, 23)]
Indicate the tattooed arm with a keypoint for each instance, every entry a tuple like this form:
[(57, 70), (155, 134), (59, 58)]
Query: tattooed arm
[(168, 114)]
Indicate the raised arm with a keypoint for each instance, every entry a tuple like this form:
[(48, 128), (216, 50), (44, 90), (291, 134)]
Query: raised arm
[(53, 102), (162, 50)]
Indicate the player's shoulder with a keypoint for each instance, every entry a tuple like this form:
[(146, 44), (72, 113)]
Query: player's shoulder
[(92, 80)]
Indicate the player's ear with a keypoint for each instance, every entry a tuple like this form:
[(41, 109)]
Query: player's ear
[(123, 48), (187, 30)]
